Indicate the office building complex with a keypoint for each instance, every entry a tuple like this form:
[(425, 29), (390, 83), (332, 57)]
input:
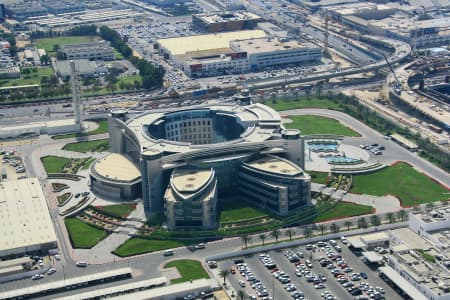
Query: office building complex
[(225, 21), (92, 51), (192, 157), (234, 52)]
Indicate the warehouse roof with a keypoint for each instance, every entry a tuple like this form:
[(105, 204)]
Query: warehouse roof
[(182, 45), (24, 216)]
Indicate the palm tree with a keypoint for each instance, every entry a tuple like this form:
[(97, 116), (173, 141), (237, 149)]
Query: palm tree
[(224, 273), (275, 234), (401, 214), (289, 232), (322, 228), (334, 228), (390, 217), (307, 232), (262, 237), (245, 239), (362, 223), (241, 294), (348, 224), (375, 220)]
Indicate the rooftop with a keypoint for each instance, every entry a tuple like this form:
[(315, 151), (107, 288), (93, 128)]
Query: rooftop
[(227, 16), (273, 164), (24, 217), (183, 45), (189, 180), (117, 167), (265, 45)]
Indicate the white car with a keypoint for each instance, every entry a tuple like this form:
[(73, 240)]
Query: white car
[(242, 283)]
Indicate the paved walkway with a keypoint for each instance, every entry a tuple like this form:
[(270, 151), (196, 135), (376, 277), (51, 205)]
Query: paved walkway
[(101, 253), (382, 204)]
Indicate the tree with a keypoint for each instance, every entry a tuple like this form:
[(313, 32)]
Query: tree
[(245, 239), (242, 295), (56, 47), (374, 220), (45, 59), (390, 217), (289, 232), (275, 234), (348, 224), (262, 237), (334, 227), (322, 228), (307, 232), (362, 223), (401, 214), (224, 274)]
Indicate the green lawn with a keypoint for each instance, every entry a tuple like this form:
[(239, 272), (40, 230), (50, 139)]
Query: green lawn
[(118, 210), (318, 177), (54, 164), (125, 80), (27, 79), (83, 235), (313, 102), (343, 210), (309, 124), (402, 181), (49, 43), (136, 246), (188, 269), (239, 210), (89, 146), (88, 163), (102, 128)]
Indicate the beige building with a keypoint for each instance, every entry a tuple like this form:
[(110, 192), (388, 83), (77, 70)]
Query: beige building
[(25, 221)]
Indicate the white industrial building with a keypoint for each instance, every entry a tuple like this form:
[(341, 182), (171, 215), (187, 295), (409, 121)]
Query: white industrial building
[(234, 52), (38, 128), (93, 51), (25, 222)]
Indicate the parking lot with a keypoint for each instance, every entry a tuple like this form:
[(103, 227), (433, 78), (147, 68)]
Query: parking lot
[(321, 271)]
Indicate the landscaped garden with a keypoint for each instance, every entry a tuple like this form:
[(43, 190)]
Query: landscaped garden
[(312, 102), (102, 128), (83, 235), (62, 199), (309, 124), (403, 181), (118, 210), (88, 146), (189, 270), (58, 164), (344, 210), (239, 210), (318, 177), (136, 246), (28, 76)]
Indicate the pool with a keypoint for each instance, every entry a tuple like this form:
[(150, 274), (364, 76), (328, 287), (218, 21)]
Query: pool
[(338, 159), (323, 147)]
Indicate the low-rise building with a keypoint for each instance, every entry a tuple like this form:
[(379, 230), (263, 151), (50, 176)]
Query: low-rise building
[(23, 11), (225, 21), (92, 51), (63, 6)]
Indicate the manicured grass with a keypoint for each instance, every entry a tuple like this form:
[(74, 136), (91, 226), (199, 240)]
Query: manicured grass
[(318, 177), (309, 124), (88, 163), (54, 164), (189, 270), (343, 210), (49, 43), (83, 235), (239, 210), (102, 128), (118, 210), (89, 146), (402, 181), (136, 246), (313, 102), (27, 79)]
